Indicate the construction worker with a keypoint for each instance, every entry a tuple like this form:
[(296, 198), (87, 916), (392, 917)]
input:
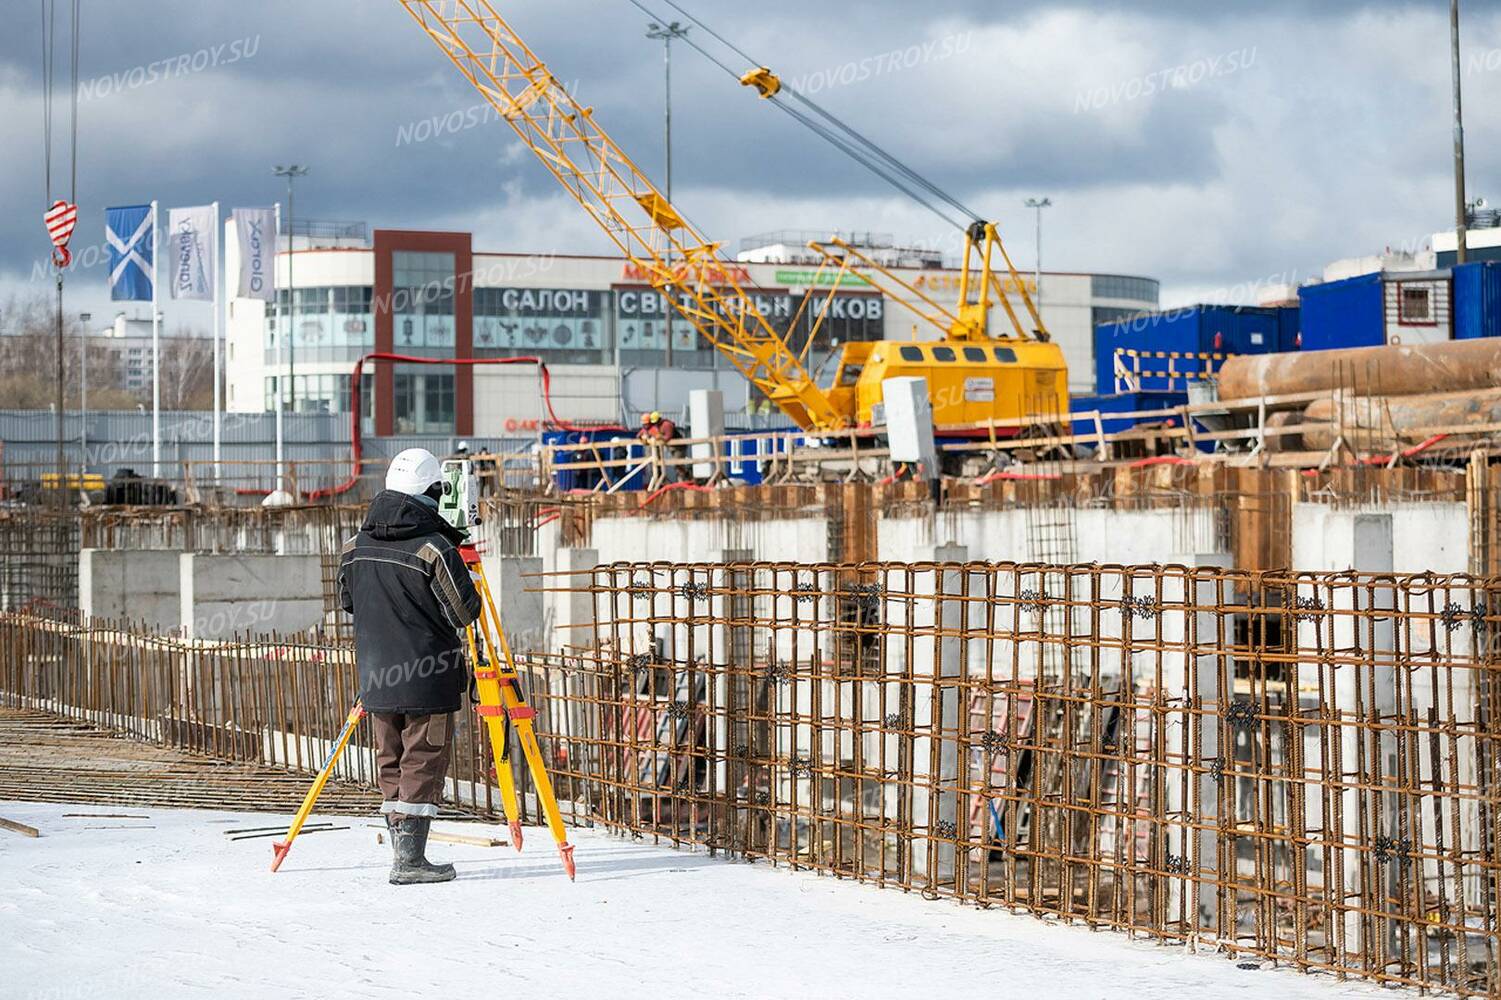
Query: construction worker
[(411, 595), (656, 428)]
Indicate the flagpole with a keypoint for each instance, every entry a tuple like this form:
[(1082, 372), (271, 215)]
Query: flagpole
[(218, 320), (281, 339), (156, 361)]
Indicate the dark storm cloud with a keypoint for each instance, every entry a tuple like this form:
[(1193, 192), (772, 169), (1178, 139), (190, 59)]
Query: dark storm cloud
[(395, 136)]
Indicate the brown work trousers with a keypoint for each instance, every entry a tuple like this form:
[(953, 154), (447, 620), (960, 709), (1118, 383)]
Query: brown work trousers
[(411, 759)]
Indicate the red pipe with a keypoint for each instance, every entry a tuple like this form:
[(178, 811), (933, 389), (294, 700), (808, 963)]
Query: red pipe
[(668, 488), (1160, 460), (1416, 449), (355, 436), (995, 476)]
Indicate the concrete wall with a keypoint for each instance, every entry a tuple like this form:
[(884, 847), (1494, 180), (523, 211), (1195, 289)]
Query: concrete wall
[(221, 595), (1127, 537), (1426, 537), (131, 584)]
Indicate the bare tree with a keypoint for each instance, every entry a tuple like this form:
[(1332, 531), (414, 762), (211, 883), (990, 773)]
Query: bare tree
[(187, 371)]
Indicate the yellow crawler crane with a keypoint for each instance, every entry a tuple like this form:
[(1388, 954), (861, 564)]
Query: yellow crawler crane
[(1025, 376)]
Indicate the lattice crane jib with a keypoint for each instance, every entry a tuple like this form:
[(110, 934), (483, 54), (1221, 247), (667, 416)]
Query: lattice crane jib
[(678, 261)]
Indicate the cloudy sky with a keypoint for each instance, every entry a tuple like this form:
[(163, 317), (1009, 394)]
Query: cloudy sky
[(1216, 146)]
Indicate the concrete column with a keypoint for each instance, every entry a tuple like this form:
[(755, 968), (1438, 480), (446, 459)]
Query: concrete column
[(1193, 740), (572, 613), (936, 714), (522, 613), (134, 584), (705, 419)]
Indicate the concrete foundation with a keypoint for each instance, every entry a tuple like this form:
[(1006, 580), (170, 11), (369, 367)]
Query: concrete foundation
[(224, 595), (139, 585)]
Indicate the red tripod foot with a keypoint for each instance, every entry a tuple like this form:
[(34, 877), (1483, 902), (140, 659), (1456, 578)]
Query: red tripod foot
[(565, 852), (281, 848), (516, 835)]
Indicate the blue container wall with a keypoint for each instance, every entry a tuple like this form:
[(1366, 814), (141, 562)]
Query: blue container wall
[(1187, 333), (1346, 313), (1289, 323), (1477, 300), (1239, 330)]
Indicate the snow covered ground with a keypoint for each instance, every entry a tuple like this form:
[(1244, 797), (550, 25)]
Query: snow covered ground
[(93, 909)]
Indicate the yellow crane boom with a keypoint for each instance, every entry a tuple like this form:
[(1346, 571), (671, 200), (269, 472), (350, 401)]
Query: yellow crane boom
[(622, 201)]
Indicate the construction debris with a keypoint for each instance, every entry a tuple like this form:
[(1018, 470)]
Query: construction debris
[(21, 828)]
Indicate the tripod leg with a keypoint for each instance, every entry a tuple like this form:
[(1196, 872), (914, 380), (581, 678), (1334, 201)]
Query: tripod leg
[(282, 847), (508, 684), (486, 681)]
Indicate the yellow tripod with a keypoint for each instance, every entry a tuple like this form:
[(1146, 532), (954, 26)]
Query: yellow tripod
[(502, 706)]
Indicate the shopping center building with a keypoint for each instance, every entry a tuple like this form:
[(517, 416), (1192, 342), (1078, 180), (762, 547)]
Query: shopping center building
[(611, 346)]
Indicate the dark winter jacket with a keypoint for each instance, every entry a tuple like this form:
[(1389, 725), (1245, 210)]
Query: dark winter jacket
[(411, 595)]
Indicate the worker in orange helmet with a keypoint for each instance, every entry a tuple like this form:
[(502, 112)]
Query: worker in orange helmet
[(657, 433), (656, 428)]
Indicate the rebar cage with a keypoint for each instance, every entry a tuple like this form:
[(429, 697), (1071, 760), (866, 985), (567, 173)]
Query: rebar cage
[(1301, 767)]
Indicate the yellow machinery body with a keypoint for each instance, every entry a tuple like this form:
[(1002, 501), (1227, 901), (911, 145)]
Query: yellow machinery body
[(1008, 383)]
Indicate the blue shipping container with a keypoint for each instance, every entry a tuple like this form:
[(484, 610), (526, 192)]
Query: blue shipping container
[(1347, 313), (1171, 349), (1477, 300)]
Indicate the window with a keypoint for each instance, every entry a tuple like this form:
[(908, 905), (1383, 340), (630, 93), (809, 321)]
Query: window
[(324, 393), (850, 374), (1004, 355), (911, 353), (975, 354), (943, 354), (422, 302), (1415, 304), (1119, 286), (333, 323), (424, 403)]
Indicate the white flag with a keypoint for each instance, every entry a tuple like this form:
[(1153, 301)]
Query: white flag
[(190, 252), (255, 229)]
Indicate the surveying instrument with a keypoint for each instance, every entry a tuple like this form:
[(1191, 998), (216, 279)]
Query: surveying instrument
[(502, 703)]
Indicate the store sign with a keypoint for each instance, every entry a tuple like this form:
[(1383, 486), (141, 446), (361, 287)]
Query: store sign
[(550, 301), (804, 278), (539, 318), (948, 281), (710, 272), (641, 317)]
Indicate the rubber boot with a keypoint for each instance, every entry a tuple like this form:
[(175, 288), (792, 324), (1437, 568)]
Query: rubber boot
[(412, 866), (391, 819)]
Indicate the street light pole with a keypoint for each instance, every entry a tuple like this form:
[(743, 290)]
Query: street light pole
[(291, 173), (1038, 205), (666, 33), (83, 390), (1460, 222)]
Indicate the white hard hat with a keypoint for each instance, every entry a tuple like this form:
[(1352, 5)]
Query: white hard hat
[(413, 471)]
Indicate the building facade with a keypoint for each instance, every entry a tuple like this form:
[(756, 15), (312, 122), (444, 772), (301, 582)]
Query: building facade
[(612, 345)]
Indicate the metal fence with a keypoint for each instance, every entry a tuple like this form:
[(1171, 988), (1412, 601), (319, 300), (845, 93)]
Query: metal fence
[(1300, 767), (1294, 766)]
